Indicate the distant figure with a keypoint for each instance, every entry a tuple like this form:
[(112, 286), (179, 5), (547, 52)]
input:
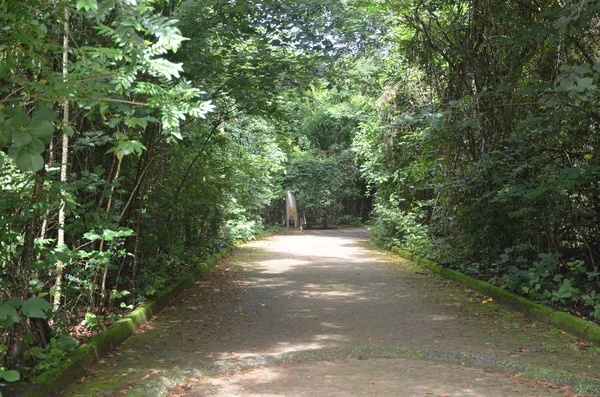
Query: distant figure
[(291, 213)]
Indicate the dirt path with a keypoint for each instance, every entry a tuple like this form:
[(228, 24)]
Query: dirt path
[(321, 313)]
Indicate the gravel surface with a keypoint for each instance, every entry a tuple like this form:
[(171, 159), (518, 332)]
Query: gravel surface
[(322, 313)]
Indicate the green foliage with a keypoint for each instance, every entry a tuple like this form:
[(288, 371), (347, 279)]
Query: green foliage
[(486, 139), (34, 307), (29, 135), (52, 354), (92, 322), (124, 94), (314, 182), (397, 229), (10, 375)]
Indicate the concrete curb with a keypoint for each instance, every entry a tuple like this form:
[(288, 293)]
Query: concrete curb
[(76, 365), (577, 326)]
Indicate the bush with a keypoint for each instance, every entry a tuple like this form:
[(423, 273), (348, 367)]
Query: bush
[(403, 230)]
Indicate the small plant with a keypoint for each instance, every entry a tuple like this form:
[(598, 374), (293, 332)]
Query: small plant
[(119, 295), (566, 292), (592, 299), (402, 229), (92, 322), (9, 375), (51, 355)]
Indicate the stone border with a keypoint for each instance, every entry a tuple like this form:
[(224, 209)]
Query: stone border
[(579, 327), (78, 363)]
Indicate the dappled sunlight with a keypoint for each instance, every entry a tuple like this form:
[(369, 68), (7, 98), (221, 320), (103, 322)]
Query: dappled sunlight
[(329, 325), (351, 377), (440, 317), (281, 348), (235, 384), (334, 337), (287, 347), (332, 294), (268, 282), (272, 305), (278, 266), (314, 245)]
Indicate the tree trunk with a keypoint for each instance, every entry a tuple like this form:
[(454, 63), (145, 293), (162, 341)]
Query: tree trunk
[(60, 240), (16, 342), (108, 207)]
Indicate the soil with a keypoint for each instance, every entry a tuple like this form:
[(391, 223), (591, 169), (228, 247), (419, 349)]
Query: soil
[(323, 313)]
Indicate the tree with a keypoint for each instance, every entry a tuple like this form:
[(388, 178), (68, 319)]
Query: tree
[(121, 86), (486, 142), (117, 172)]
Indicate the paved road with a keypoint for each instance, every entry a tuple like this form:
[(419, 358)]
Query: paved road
[(321, 313)]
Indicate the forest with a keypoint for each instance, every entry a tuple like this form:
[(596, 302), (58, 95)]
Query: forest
[(138, 137)]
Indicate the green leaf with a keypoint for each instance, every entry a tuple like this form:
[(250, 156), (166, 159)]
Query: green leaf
[(29, 161), (5, 135), (37, 265), (87, 5), (29, 337), (110, 235), (14, 302), (10, 376), (36, 146), (36, 307), (21, 137), (585, 82), (38, 352), (8, 315), (41, 129), (126, 148), (17, 117), (92, 236), (69, 131), (44, 113)]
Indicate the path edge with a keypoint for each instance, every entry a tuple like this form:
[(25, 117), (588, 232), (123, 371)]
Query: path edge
[(78, 363), (564, 321)]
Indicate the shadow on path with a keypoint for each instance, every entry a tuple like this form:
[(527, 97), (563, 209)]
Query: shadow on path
[(322, 310)]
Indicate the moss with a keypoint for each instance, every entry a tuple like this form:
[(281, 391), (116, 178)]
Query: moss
[(535, 310), (593, 333), (200, 270), (140, 316), (571, 324), (561, 320), (176, 288)]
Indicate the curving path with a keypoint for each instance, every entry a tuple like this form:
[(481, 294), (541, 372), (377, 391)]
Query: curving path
[(322, 313)]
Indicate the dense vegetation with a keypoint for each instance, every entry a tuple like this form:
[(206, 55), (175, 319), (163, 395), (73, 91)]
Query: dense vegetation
[(485, 151), (138, 137)]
